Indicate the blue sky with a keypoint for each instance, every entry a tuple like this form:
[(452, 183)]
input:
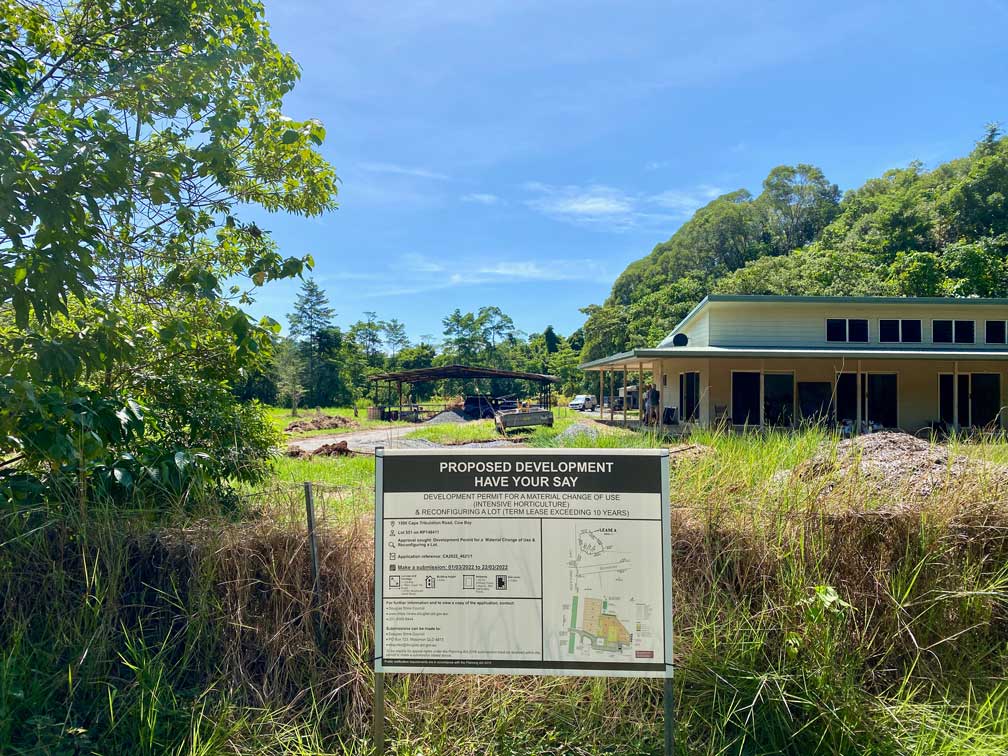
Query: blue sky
[(520, 154)]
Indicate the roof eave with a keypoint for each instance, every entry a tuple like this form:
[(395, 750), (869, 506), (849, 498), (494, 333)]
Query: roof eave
[(808, 299)]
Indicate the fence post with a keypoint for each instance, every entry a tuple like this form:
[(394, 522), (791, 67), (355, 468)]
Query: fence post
[(313, 546)]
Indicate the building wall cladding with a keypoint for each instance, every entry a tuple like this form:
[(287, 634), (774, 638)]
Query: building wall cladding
[(917, 381), (801, 324)]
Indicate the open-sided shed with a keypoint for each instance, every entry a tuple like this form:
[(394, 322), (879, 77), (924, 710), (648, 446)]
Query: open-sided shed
[(394, 381)]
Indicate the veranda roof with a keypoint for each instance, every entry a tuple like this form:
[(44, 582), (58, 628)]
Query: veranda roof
[(644, 358)]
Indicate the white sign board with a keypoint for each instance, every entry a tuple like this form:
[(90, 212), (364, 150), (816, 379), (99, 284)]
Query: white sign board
[(523, 561)]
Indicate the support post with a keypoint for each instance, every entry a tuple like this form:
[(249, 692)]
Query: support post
[(955, 395), (640, 393), (762, 393), (860, 399), (612, 393), (669, 702), (379, 713), (626, 396), (601, 390), (313, 547)]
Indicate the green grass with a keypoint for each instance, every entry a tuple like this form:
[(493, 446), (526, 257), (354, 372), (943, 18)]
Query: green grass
[(457, 433), (191, 637), (452, 434)]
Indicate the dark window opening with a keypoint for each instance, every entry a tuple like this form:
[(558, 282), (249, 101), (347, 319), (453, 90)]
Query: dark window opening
[(882, 401), (985, 399), (941, 331), (846, 397), (963, 399), (995, 332), (910, 331), (888, 331), (945, 399), (964, 332), (857, 330), (814, 400), (977, 395), (778, 398), (836, 329), (745, 409), (689, 397)]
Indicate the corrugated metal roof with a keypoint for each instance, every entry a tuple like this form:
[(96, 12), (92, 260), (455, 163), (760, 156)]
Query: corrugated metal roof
[(795, 353), (421, 375), (855, 300)]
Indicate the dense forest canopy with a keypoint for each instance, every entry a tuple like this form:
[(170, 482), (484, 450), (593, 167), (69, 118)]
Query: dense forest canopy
[(910, 232), (319, 364), (134, 136)]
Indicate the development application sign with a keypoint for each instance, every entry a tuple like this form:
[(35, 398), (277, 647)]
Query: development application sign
[(515, 561)]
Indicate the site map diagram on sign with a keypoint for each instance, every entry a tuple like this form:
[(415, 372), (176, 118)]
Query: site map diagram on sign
[(608, 613)]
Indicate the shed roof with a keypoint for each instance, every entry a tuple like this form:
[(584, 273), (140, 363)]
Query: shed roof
[(421, 375)]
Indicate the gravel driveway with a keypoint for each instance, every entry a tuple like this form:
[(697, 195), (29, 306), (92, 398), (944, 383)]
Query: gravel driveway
[(365, 441)]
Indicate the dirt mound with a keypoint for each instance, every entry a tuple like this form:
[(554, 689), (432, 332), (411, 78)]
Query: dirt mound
[(448, 416), (339, 449), (320, 422), (900, 464)]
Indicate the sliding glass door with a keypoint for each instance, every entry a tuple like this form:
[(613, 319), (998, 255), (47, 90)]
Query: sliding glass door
[(879, 398), (978, 396)]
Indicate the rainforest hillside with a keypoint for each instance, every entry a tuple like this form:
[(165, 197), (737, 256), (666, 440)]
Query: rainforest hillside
[(909, 232)]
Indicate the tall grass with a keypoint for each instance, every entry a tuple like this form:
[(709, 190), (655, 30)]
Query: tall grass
[(811, 616)]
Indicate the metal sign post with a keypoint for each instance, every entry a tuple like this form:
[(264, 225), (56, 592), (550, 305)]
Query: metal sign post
[(379, 713), (522, 561)]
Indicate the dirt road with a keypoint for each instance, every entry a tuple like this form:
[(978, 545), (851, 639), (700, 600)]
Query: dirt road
[(362, 441), (365, 441)]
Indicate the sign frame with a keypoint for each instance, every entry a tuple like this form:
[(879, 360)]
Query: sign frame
[(664, 669)]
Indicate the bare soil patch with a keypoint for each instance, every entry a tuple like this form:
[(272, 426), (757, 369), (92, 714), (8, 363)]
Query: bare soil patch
[(320, 422)]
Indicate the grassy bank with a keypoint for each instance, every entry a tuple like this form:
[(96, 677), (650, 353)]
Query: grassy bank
[(484, 430), (814, 614)]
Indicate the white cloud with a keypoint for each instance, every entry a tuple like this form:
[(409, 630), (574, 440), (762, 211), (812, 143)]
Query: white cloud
[(417, 274), (610, 208), (420, 264), (481, 198), (686, 201), (402, 170), (592, 203)]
